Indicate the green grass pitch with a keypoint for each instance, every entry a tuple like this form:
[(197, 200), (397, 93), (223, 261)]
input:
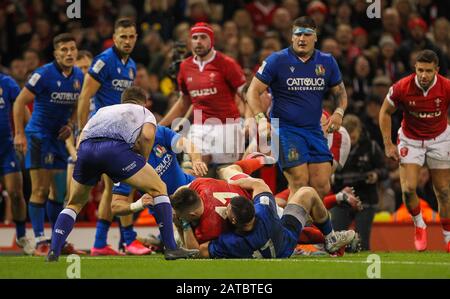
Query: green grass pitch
[(392, 265)]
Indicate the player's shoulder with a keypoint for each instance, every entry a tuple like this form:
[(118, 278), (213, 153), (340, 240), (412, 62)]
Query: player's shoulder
[(46, 69), (223, 58), (324, 57), (78, 72), (6, 80), (278, 56), (189, 61)]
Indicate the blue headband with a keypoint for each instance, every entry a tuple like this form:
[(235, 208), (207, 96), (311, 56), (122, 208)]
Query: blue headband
[(303, 30)]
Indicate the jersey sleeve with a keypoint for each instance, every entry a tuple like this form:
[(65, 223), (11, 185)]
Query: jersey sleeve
[(234, 74), (14, 90), (36, 82), (335, 77), (265, 203), (393, 95), (122, 189), (149, 117), (266, 72), (99, 69), (229, 245), (170, 138)]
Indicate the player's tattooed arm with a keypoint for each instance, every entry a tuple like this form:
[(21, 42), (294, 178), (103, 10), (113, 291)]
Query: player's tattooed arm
[(340, 95)]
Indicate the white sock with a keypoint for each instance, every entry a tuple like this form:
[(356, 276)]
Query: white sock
[(446, 236), (418, 221)]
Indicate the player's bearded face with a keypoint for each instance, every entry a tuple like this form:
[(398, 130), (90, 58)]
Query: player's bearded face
[(303, 43), (66, 54), (201, 44), (426, 73), (125, 39)]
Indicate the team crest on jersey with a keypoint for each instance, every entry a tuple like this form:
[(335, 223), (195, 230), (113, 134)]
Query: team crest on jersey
[(404, 151), (76, 84), (320, 70), (293, 155), (437, 101), (212, 76), (130, 74), (159, 150)]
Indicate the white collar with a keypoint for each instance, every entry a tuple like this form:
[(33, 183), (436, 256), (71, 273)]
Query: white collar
[(202, 64)]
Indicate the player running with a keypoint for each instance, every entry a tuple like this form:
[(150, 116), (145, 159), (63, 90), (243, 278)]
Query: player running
[(424, 137)]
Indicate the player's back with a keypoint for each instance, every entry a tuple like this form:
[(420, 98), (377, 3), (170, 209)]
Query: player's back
[(120, 122), (267, 239), (216, 195), (9, 90)]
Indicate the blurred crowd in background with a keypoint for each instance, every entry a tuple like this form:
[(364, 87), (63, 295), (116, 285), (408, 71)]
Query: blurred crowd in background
[(372, 54)]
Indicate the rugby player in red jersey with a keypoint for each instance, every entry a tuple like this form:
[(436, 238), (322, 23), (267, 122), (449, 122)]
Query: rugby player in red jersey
[(424, 137)]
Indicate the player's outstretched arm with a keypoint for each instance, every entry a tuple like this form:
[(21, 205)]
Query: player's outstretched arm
[(90, 88), (24, 98), (198, 166), (385, 120), (180, 108), (257, 186)]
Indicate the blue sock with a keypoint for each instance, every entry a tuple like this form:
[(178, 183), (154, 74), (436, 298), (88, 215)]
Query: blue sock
[(101, 234), (20, 229), (163, 216), (326, 228), (53, 210), (129, 235), (37, 217), (63, 227)]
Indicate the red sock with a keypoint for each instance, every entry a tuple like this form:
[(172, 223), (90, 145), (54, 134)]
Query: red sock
[(249, 166), (330, 201), (311, 235), (283, 194), (445, 224), (415, 211)]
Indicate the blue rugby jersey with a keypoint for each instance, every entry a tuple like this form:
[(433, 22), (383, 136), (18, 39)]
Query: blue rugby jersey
[(113, 75), (298, 87), (55, 97), (9, 90)]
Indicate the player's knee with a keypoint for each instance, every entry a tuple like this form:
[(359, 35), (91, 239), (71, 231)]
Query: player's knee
[(16, 196), (40, 193), (442, 195), (304, 196), (322, 187)]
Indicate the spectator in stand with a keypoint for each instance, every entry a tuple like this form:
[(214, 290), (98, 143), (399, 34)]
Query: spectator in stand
[(282, 24), (293, 8), (317, 10), (441, 38), (247, 56), (364, 168), (418, 41), (32, 60), (243, 21), (390, 26), (344, 38), (262, 12), (388, 63), (362, 82), (19, 71)]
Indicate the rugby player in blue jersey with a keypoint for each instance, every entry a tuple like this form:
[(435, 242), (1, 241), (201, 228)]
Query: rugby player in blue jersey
[(259, 232), (164, 160), (55, 88), (117, 141), (111, 72), (9, 162), (298, 78)]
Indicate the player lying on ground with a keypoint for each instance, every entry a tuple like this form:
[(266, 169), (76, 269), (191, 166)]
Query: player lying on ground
[(122, 133), (258, 231)]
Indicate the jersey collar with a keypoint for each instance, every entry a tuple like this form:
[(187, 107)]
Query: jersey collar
[(119, 56), (202, 64), (425, 92), (313, 56), (60, 70)]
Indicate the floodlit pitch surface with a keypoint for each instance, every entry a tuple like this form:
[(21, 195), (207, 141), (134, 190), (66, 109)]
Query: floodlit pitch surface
[(392, 265)]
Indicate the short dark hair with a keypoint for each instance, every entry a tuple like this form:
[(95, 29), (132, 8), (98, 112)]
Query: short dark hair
[(125, 23), (84, 53), (304, 21), (243, 210), (134, 95), (63, 38), (185, 200), (427, 56)]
